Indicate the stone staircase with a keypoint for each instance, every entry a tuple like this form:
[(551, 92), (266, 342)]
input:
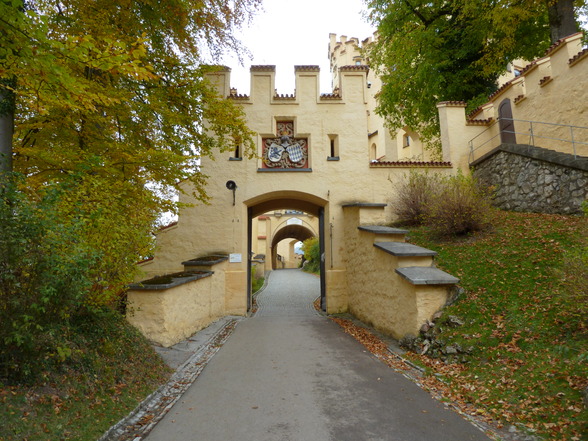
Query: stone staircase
[(394, 285)]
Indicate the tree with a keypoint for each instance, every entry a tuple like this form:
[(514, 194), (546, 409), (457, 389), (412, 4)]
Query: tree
[(108, 97), (312, 255), (428, 52), (562, 20)]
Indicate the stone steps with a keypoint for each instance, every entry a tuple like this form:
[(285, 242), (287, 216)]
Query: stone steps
[(415, 263), (387, 233), (204, 263), (393, 285), (427, 276), (407, 255)]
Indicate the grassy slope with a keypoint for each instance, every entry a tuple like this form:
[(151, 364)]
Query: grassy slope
[(530, 337), (111, 369)]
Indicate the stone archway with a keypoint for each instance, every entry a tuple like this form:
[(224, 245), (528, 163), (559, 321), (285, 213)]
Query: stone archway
[(298, 232), (294, 200)]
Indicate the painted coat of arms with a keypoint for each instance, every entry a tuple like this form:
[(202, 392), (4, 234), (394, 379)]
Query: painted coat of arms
[(285, 152)]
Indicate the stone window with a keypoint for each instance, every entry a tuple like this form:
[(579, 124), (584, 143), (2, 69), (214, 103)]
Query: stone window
[(406, 141), (333, 148)]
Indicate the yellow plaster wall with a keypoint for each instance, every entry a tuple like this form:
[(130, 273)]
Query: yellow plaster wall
[(169, 316), (236, 293), (551, 89), (377, 295), (222, 225)]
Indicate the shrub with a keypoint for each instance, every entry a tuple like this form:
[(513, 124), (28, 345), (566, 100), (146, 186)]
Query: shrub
[(413, 197), (312, 255), (256, 280), (449, 205), (43, 278), (459, 206)]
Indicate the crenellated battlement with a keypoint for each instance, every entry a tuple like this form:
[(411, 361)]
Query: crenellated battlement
[(351, 87), (547, 97)]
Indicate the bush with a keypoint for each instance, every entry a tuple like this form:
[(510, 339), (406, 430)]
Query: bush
[(312, 255), (256, 280), (43, 278), (413, 197), (449, 205), (458, 207)]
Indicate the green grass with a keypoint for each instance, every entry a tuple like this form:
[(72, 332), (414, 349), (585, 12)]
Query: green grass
[(530, 363), (111, 368), (257, 283)]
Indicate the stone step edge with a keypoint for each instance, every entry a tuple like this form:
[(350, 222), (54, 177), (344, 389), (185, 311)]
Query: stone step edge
[(403, 249), (381, 229), (418, 275)]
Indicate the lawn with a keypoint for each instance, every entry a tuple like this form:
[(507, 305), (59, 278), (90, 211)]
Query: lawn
[(525, 330), (529, 363)]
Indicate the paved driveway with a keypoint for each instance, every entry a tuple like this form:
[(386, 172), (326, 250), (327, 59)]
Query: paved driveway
[(290, 374)]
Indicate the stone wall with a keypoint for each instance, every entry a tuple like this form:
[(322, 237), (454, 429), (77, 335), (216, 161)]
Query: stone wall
[(532, 179)]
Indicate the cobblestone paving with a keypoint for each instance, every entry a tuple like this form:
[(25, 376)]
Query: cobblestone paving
[(291, 292)]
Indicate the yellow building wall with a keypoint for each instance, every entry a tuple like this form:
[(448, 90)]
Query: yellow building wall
[(326, 185), (551, 90)]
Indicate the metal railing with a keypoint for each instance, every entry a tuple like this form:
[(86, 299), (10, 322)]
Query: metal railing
[(578, 136)]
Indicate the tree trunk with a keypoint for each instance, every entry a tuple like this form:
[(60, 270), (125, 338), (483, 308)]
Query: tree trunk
[(562, 21), (6, 130)]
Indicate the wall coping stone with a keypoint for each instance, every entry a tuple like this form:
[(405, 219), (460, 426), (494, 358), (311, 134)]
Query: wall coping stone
[(206, 260), (539, 153), (363, 205), (380, 229), (177, 279), (418, 275), (402, 249)]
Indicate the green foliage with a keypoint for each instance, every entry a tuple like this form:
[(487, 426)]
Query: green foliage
[(312, 255), (112, 110), (449, 205), (427, 52), (116, 219), (119, 91), (108, 369), (112, 105), (44, 276), (256, 280)]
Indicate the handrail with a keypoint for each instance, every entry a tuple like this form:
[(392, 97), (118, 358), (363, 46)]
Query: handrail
[(532, 133)]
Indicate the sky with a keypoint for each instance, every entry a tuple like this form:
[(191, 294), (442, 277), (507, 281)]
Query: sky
[(288, 33)]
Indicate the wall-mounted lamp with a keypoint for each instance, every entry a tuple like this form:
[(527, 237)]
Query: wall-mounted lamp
[(232, 186), (369, 84)]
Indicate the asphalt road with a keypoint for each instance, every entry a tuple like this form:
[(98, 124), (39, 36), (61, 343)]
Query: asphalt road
[(288, 373)]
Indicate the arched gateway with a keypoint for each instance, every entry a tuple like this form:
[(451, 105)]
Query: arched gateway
[(292, 200), (313, 156)]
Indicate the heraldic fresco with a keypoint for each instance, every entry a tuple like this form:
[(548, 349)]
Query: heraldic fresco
[(285, 151)]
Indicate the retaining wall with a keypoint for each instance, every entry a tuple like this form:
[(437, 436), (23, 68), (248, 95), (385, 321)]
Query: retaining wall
[(527, 178)]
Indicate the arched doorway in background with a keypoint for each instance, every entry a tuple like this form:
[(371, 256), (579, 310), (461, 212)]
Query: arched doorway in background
[(506, 123), (292, 200), (298, 232)]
